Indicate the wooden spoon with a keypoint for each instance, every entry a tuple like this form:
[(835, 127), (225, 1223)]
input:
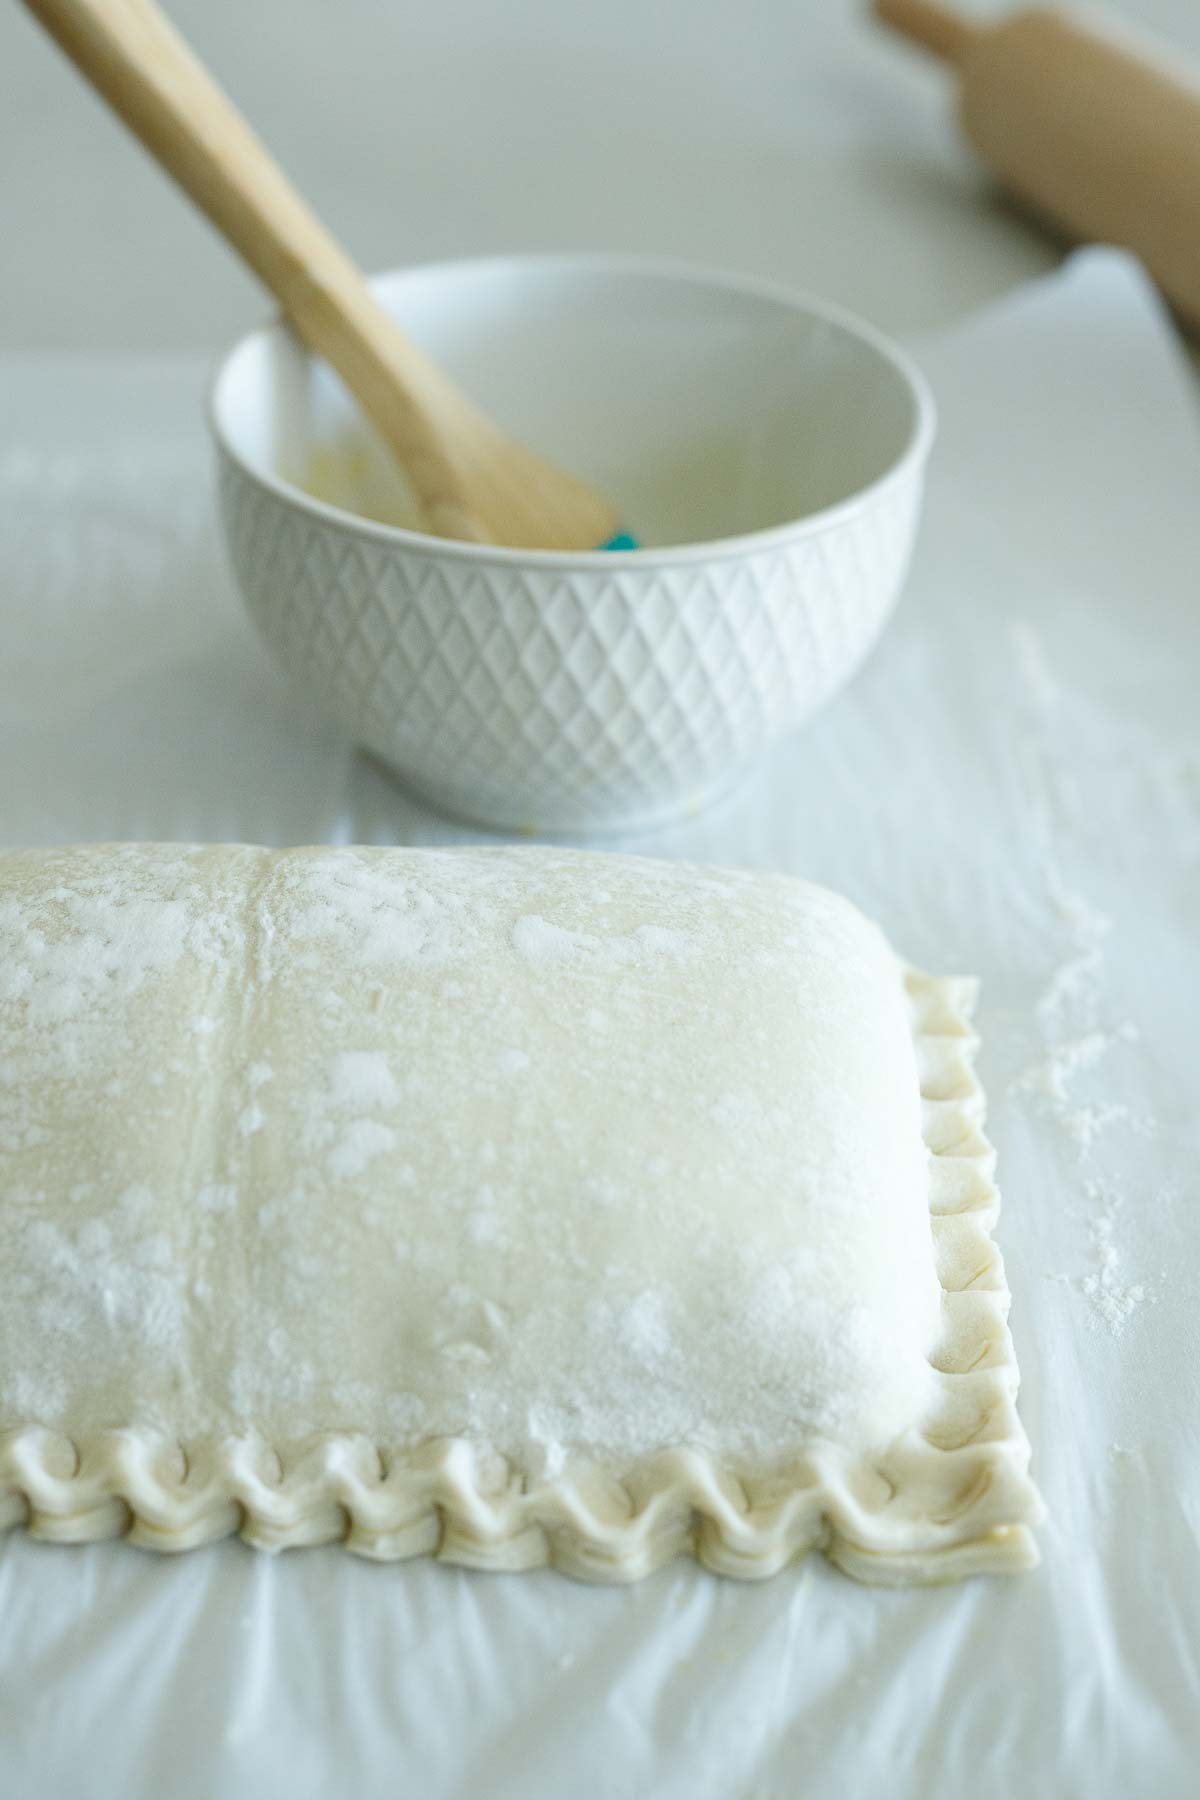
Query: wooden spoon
[(470, 480)]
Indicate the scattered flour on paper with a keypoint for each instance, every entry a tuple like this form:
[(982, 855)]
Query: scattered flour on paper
[(1050, 1079), (1069, 1005), (1085, 1123), (1113, 1300), (1076, 977), (1051, 794), (1069, 1009)]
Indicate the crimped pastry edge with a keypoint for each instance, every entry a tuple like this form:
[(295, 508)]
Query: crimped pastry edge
[(951, 1497)]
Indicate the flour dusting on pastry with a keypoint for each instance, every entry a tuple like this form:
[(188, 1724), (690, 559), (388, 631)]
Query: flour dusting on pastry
[(617, 1164)]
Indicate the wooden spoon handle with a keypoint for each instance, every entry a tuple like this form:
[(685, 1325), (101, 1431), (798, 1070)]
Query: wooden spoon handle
[(133, 56)]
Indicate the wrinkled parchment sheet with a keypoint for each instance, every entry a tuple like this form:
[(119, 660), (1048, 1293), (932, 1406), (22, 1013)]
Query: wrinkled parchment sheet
[(1012, 787)]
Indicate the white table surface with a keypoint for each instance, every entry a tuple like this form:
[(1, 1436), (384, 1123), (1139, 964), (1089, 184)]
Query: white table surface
[(785, 138), (1012, 787)]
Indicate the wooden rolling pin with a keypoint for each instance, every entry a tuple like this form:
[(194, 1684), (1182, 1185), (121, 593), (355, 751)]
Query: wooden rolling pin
[(1090, 127)]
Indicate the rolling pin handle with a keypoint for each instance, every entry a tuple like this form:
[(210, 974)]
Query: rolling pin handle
[(939, 28)]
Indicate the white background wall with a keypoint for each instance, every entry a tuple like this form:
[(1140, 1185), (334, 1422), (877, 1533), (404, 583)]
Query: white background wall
[(787, 138)]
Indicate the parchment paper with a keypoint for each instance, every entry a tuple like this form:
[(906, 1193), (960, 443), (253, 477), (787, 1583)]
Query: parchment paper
[(1012, 787)]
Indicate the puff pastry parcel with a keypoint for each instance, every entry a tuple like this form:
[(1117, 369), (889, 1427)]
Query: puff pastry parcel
[(510, 1205)]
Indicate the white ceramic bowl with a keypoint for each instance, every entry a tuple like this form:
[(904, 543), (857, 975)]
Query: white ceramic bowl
[(768, 450)]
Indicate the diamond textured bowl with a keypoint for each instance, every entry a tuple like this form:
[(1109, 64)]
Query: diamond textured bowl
[(767, 450)]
